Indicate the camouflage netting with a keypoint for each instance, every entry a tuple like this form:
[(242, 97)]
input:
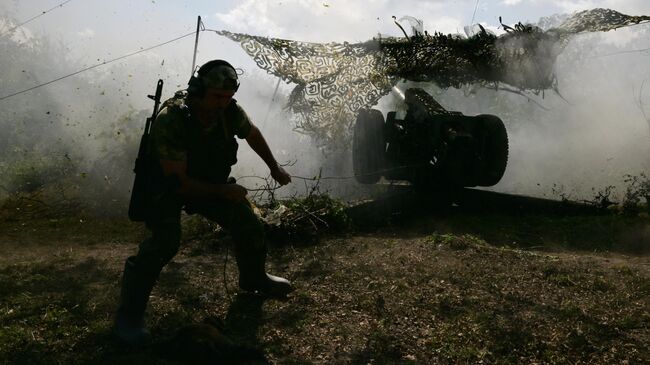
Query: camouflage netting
[(335, 80)]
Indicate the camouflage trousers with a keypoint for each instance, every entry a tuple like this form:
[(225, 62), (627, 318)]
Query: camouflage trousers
[(164, 223)]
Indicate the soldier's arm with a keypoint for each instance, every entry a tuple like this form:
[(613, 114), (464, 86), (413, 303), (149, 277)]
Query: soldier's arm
[(256, 140), (196, 189)]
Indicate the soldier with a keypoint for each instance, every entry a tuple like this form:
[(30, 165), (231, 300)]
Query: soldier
[(193, 141)]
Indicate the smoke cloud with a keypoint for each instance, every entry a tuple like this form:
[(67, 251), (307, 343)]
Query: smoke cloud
[(82, 134), (585, 139)]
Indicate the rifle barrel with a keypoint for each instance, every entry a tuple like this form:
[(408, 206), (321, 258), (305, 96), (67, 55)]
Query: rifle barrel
[(156, 105)]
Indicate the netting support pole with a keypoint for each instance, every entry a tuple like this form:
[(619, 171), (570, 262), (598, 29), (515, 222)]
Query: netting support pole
[(196, 44)]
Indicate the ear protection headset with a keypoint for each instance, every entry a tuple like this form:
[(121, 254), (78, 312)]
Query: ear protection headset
[(196, 87)]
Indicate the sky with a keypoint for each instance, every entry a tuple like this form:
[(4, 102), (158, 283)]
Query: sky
[(100, 30), (93, 31)]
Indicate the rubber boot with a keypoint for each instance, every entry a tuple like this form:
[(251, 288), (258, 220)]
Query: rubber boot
[(129, 320), (253, 277)]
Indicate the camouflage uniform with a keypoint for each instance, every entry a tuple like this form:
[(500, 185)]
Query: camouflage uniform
[(209, 153)]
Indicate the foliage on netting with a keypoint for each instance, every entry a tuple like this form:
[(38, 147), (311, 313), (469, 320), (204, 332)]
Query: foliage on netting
[(335, 80), (454, 61)]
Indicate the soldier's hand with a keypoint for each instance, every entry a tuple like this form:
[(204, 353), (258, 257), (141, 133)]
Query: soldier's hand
[(281, 176), (235, 192)]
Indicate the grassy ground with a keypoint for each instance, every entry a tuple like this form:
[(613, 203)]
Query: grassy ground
[(448, 288)]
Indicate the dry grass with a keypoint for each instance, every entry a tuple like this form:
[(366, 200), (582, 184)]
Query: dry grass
[(435, 290)]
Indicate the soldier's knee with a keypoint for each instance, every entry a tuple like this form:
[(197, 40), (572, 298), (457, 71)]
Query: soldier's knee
[(248, 227), (249, 222), (160, 248), (255, 236), (169, 246)]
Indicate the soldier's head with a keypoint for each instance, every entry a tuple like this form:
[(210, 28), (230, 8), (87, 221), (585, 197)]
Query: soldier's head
[(214, 85)]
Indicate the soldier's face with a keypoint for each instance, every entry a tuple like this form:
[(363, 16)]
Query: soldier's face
[(217, 98)]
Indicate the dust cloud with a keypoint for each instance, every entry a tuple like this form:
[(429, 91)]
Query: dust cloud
[(81, 135), (590, 136)]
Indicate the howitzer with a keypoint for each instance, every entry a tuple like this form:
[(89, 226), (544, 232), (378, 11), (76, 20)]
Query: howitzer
[(140, 195), (430, 146)]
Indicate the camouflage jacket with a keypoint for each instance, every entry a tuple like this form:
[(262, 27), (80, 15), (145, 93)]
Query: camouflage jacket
[(177, 135)]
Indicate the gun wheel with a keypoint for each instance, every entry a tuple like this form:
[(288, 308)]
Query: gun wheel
[(495, 150), (369, 146)]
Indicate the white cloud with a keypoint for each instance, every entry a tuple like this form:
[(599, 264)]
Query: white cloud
[(355, 21), (511, 2), (336, 20), (19, 35), (251, 15), (86, 33)]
